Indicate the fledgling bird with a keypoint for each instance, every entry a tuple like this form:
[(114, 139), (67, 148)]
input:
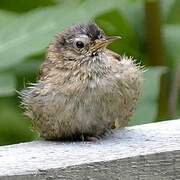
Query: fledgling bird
[(83, 88)]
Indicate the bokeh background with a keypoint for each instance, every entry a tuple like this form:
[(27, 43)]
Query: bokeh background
[(150, 31)]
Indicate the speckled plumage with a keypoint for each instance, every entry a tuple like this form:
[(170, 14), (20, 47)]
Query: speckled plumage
[(82, 93)]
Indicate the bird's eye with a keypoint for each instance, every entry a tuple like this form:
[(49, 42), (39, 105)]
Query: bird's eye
[(79, 44)]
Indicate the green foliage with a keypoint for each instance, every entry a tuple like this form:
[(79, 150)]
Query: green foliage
[(27, 28), (147, 108), (129, 36), (8, 84), (13, 126), (172, 45), (33, 30), (21, 6)]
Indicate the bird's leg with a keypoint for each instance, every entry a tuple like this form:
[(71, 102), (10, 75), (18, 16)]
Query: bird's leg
[(82, 137), (108, 132)]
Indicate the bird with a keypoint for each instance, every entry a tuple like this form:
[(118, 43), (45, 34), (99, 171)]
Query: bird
[(83, 90)]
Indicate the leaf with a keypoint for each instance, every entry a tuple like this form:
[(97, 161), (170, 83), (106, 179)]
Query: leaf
[(31, 33), (173, 16), (14, 127), (148, 105), (133, 12), (172, 45), (6, 17), (19, 6), (166, 7), (7, 84)]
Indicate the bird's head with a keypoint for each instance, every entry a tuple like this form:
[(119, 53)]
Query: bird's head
[(82, 41)]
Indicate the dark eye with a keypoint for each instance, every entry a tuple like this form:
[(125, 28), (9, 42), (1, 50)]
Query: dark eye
[(79, 44)]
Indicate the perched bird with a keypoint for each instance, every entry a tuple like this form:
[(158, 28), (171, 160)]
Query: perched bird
[(83, 88)]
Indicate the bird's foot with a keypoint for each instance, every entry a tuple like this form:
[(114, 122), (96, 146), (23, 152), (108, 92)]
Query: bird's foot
[(93, 138), (90, 138)]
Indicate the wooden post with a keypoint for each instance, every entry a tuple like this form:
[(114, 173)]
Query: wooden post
[(145, 152)]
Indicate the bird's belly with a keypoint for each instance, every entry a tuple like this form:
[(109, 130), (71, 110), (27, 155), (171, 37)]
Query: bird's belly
[(90, 112), (98, 110), (93, 112)]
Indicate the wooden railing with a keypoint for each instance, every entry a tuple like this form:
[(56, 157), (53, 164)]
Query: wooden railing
[(145, 152)]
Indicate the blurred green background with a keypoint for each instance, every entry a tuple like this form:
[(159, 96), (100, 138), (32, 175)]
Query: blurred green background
[(150, 32)]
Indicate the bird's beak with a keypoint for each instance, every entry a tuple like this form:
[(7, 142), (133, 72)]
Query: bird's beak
[(101, 43)]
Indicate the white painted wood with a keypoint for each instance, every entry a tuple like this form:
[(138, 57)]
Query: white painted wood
[(150, 151)]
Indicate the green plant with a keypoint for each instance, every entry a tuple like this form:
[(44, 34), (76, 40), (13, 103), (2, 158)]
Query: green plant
[(27, 28)]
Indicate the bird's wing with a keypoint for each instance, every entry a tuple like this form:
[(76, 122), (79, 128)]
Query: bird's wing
[(114, 56), (42, 71), (129, 83), (114, 59), (45, 68)]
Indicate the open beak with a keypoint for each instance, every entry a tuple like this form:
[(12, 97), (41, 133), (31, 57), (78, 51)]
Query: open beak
[(101, 43)]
